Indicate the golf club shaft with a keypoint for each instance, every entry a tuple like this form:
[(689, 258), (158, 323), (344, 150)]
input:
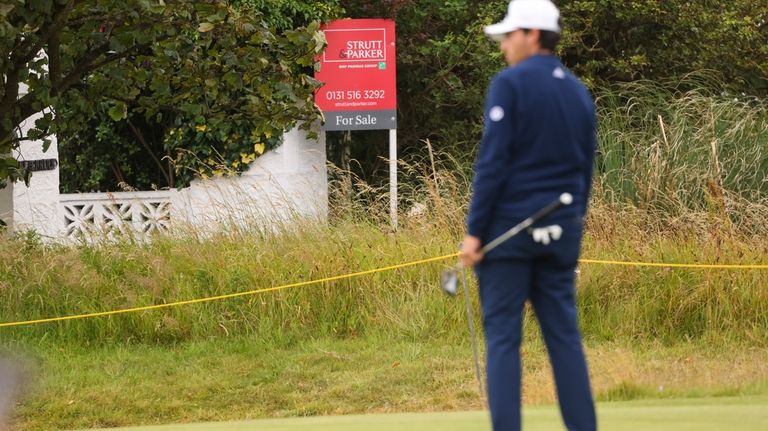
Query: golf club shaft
[(563, 200), (473, 335), (525, 224)]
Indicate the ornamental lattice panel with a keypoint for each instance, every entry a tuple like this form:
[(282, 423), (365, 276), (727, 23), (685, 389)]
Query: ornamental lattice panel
[(89, 216)]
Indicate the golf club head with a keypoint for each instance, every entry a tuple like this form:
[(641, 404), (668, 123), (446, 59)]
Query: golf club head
[(449, 282)]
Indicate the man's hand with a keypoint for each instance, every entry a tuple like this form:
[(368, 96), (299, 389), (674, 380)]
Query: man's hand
[(471, 252)]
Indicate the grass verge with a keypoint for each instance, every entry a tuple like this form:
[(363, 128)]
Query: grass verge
[(244, 379)]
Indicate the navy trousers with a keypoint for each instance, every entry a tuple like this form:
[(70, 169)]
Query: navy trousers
[(525, 270)]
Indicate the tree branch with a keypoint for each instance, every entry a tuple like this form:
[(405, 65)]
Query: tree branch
[(143, 141), (24, 108), (88, 19), (28, 49), (11, 91), (18, 139), (6, 85), (117, 56), (128, 101), (87, 63), (84, 65), (23, 53), (54, 61), (118, 173)]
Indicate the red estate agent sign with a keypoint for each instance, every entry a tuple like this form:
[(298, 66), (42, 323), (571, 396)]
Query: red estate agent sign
[(358, 69)]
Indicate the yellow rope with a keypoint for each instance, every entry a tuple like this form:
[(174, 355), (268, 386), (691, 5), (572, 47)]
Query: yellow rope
[(672, 265), (228, 296), (352, 275)]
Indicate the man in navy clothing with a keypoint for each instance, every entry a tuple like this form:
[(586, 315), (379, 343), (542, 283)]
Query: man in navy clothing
[(539, 142)]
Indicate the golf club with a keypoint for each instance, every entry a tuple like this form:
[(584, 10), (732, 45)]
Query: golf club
[(449, 278), (471, 323)]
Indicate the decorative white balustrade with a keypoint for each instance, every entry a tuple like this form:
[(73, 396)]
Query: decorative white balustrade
[(285, 184), (125, 214)]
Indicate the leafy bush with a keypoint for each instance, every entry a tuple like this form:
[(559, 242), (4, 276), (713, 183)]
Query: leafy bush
[(616, 40), (200, 102)]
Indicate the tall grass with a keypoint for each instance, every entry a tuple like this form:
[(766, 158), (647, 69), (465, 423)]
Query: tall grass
[(675, 152), (42, 282), (681, 177)]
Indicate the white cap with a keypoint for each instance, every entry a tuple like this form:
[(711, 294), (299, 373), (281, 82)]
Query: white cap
[(529, 14)]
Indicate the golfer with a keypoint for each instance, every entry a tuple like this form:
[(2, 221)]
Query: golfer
[(539, 141)]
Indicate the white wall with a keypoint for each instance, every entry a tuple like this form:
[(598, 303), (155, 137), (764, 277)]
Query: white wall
[(285, 184), (35, 206)]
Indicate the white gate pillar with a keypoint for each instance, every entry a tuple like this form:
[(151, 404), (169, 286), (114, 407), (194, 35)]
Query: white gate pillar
[(34, 206), (6, 205)]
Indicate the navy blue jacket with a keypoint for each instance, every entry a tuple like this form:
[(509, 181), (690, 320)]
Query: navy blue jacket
[(539, 141)]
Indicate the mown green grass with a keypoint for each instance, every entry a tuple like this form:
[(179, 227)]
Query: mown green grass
[(720, 414), (232, 379)]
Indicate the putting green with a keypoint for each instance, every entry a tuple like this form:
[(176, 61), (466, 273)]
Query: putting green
[(707, 414)]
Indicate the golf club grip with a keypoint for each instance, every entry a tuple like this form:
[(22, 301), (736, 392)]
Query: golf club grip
[(538, 215)]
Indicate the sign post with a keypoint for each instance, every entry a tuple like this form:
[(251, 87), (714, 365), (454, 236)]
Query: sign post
[(393, 177), (358, 70)]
